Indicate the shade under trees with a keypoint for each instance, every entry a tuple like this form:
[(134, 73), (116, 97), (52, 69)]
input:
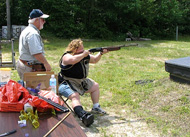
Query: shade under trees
[(105, 19)]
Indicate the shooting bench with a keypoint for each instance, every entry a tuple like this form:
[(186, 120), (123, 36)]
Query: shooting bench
[(68, 128), (179, 69), (11, 63)]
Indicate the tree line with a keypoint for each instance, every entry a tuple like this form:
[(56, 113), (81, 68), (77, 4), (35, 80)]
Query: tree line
[(105, 19)]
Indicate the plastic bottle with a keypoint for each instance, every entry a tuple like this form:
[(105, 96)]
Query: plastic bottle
[(28, 107), (52, 83)]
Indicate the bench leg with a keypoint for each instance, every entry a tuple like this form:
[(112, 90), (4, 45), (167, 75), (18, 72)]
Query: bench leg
[(65, 101), (57, 124)]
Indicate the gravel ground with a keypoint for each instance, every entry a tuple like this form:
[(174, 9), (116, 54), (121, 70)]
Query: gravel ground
[(115, 125)]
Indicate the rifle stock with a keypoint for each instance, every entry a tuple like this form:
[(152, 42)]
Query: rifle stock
[(114, 48)]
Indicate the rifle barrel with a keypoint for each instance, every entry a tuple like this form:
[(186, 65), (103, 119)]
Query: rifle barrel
[(64, 109), (112, 48)]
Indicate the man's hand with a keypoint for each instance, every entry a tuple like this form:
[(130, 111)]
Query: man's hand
[(47, 67), (40, 57)]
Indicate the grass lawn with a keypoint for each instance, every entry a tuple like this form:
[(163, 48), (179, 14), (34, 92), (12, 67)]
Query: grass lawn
[(164, 104)]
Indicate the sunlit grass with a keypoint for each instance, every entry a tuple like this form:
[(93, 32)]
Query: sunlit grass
[(164, 104)]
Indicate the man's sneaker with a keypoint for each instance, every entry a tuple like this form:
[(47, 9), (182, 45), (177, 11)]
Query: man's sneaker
[(98, 110), (87, 118)]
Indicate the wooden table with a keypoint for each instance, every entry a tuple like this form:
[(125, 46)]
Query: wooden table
[(68, 128)]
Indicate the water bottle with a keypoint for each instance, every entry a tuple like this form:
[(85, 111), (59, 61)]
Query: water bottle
[(52, 83)]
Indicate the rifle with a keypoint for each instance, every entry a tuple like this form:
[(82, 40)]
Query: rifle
[(49, 101), (100, 49), (62, 108)]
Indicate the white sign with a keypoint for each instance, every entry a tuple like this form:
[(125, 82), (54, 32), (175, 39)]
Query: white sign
[(16, 30)]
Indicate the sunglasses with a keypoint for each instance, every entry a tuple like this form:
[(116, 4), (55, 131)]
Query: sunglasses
[(42, 19)]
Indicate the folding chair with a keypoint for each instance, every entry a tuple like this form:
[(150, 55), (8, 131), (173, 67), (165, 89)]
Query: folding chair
[(65, 101)]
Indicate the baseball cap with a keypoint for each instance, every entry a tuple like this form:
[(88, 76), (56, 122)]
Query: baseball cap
[(36, 13)]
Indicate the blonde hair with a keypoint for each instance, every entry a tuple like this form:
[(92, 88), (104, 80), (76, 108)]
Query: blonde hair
[(73, 46)]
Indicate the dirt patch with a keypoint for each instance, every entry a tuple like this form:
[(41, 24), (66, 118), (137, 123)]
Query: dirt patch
[(116, 125)]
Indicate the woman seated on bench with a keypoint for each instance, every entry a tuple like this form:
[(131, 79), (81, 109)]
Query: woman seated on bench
[(73, 80)]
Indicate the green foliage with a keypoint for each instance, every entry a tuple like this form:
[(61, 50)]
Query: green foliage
[(20, 10), (105, 19), (3, 13), (60, 18), (185, 5), (167, 16)]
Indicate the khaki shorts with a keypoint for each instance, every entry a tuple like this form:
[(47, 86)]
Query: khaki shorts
[(21, 69), (79, 85)]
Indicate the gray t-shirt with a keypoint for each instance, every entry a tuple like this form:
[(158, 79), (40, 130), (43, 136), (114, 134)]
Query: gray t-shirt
[(30, 43)]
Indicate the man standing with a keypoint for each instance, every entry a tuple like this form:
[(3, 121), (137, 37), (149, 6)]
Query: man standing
[(31, 47)]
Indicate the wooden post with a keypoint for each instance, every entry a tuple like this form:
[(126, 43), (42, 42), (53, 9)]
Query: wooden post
[(176, 33), (8, 20)]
